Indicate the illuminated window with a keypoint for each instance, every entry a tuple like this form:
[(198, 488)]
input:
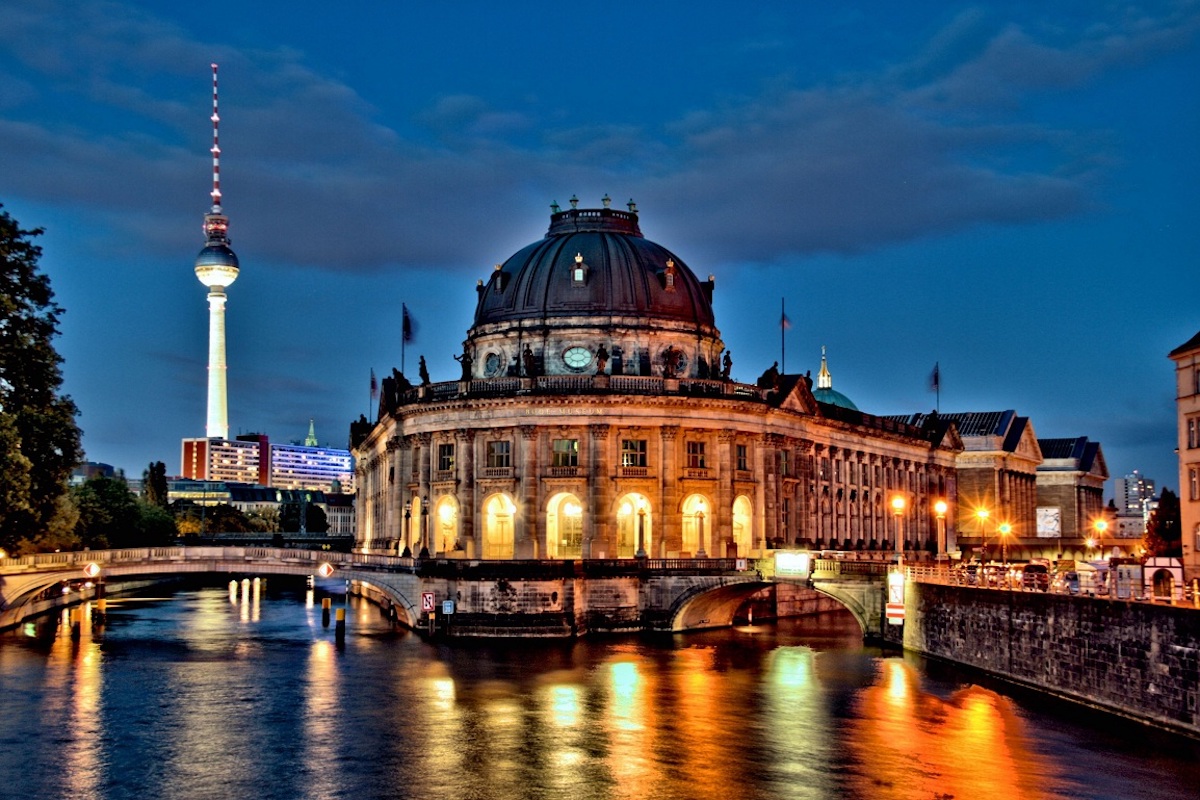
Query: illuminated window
[(565, 452), (445, 457), (633, 452), (499, 454), (1191, 433), (1194, 488), (695, 455), (743, 459)]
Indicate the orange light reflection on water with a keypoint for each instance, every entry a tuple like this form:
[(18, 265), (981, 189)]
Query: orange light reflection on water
[(906, 743)]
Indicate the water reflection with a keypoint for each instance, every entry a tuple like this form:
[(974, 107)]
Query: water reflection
[(205, 696)]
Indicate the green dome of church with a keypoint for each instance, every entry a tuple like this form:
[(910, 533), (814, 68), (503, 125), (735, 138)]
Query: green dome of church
[(825, 393)]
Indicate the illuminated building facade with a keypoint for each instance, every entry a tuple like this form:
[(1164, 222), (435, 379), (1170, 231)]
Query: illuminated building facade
[(596, 417), (252, 459), (1187, 407)]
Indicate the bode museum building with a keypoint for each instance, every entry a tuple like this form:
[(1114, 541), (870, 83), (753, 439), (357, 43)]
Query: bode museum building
[(596, 417)]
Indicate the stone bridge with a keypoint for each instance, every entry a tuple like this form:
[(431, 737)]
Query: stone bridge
[(487, 598)]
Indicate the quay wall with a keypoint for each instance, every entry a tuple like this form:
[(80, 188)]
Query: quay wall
[(1139, 660)]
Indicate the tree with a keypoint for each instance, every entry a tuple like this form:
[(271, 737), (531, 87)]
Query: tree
[(39, 439), (315, 520), (154, 481), (1164, 530)]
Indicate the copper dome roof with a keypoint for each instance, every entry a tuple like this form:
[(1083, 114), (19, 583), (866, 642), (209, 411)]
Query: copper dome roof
[(623, 274)]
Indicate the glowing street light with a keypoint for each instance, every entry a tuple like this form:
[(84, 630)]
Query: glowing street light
[(1005, 530), (898, 510), (700, 529), (983, 514), (940, 508), (641, 544)]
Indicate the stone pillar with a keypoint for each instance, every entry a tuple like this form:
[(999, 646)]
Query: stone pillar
[(665, 508), (466, 491), (597, 515), (395, 511), (423, 544), (527, 542), (774, 443), (720, 519), (806, 518)]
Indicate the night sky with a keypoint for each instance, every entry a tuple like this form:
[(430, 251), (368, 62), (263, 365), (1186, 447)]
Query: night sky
[(1007, 190)]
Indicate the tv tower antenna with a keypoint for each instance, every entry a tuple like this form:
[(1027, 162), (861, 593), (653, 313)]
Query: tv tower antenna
[(217, 268)]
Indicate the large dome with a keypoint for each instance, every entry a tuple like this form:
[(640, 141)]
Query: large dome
[(622, 274), (594, 295)]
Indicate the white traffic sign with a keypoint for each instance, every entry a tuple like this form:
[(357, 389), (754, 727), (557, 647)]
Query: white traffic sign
[(427, 601)]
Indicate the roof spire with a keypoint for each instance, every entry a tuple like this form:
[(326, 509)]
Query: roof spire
[(311, 439), (824, 379)]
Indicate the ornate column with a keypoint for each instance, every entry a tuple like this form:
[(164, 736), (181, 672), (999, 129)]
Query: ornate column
[(465, 494), (393, 516), (425, 440), (666, 508), (720, 519), (806, 518), (771, 453), (596, 519), (527, 542)]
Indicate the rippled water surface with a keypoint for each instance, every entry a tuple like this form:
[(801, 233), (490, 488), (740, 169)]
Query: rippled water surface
[(213, 694)]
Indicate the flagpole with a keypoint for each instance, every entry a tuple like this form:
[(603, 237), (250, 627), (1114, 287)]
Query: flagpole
[(403, 320), (782, 338)]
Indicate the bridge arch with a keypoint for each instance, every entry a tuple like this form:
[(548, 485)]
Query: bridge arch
[(23, 579)]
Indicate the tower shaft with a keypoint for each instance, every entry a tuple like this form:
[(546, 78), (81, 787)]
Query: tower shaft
[(218, 416)]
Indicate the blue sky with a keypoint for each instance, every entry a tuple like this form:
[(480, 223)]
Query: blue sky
[(1005, 189)]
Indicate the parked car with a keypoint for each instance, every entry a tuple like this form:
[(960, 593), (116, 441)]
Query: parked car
[(1036, 577)]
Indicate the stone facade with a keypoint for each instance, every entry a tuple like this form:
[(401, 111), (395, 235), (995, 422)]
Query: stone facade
[(596, 417), (1187, 405), (1137, 659)]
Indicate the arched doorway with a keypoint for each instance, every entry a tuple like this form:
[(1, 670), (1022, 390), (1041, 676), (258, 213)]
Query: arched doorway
[(743, 528), (697, 526), (444, 531), (498, 513), (1164, 585), (634, 522), (564, 526)]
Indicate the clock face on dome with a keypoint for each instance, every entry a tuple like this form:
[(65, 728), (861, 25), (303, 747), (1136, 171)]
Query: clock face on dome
[(577, 357), (491, 365)]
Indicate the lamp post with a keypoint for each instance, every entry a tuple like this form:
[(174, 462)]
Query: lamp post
[(898, 510), (424, 527), (407, 537), (700, 529), (982, 514), (1101, 526), (940, 508), (1005, 529), (641, 533)]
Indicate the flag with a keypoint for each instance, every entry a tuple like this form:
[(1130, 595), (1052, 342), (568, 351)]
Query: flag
[(935, 379), (374, 385), (784, 322), (408, 329)]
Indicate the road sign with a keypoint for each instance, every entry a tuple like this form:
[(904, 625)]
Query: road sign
[(427, 601), (895, 613), (447, 606)]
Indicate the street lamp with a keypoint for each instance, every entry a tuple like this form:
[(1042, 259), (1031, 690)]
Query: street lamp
[(1101, 526), (898, 510), (407, 529), (641, 543), (424, 527), (940, 508), (1005, 529), (982, 514), (700, 529)]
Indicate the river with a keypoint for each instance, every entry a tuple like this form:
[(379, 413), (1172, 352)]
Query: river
[(218, 693)]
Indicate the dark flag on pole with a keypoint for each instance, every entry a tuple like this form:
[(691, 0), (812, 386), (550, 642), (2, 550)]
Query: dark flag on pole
[(935, 379), (784, 322), (374, 385), (408, 329)]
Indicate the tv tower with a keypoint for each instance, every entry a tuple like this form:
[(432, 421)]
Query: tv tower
[(216, 267)]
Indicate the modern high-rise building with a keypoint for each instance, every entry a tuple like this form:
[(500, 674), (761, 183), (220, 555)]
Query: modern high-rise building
[(1134, 493), (217, 268), (252, 459)]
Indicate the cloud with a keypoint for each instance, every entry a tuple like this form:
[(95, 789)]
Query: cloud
[(313, 179)]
